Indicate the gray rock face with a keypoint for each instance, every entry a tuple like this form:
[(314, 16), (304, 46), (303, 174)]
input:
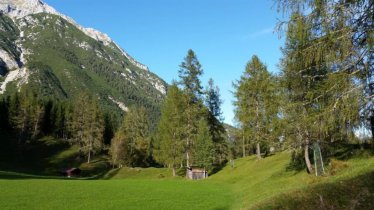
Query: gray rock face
[(21, 8), (7, 61), (14, 67)]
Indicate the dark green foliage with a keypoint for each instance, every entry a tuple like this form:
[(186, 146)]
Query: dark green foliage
[(4, 115), (110, 126), (189, 72), (217, 130), (45, 82)]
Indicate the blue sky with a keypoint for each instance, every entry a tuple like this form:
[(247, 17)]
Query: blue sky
[(223, 33)]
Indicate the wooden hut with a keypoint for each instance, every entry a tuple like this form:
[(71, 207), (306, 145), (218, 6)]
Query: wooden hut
[(196, 173)]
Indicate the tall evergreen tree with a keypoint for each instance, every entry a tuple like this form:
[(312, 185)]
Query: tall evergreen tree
[(216, 128), (343, 34), (255, 104), (130, 144), (204, 147), (86, 126), (189, 73), (136, 127), (169, 144), (190, 70), (322, 99)]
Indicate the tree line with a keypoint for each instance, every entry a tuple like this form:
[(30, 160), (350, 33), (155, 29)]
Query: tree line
[(82, 122), (190, 131), (323, 94)]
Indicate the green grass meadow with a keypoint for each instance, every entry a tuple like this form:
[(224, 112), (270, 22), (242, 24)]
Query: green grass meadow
[(248, 184), (113, 194)]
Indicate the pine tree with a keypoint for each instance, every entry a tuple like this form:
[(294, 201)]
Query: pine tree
[(190, 70), (216, 128)]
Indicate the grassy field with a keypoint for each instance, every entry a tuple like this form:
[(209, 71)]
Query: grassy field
[(113, 194), (266, 184), (249, 184)]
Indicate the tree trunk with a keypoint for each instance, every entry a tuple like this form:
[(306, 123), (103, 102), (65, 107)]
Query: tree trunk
[(89, 157), (243, 146), (174, 171), (372, 126), (258, 151), (188, 159), (36, 127), (307, 160)]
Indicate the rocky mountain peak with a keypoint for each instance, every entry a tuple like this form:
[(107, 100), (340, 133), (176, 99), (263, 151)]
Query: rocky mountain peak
[(21, 8)]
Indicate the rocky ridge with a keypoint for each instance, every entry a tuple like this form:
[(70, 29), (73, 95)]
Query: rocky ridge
[(20, 8)]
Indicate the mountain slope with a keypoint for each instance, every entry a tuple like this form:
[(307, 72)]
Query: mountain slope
[(52, 55)]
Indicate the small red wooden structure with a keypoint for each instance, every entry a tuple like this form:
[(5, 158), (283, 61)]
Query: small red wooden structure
[(72, 172)]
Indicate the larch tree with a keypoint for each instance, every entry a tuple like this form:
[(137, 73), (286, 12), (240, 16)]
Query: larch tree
[(117, 150), (130, 144), (323, 98), (169, 145), (344, 34), (136, 129), (255, 103), (86, 126), (302, 82)]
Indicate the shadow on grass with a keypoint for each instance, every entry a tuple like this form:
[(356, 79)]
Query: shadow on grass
[(354, 193), (45, 158), (338, 151), (30, 157)]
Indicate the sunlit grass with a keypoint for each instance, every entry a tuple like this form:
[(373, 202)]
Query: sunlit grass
[(249, 184)]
